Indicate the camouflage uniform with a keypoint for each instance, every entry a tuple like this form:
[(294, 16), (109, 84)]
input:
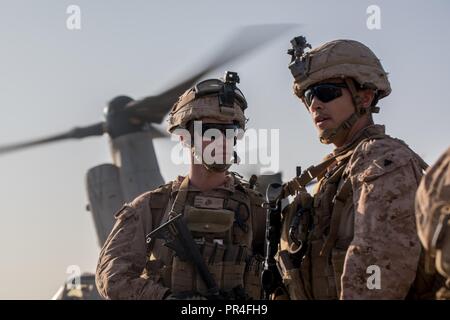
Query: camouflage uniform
[(433, 214), (361, 217), (227, 223), (128, 269)]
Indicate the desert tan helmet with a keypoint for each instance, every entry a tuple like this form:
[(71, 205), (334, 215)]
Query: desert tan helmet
[(346, 59), (433, 214), (218, 99)]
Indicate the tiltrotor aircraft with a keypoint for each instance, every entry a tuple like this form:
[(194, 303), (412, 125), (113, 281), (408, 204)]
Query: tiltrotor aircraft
[(134, 168)]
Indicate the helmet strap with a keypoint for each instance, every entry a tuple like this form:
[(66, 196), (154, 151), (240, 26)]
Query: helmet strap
[(213, 167), (328, 136)]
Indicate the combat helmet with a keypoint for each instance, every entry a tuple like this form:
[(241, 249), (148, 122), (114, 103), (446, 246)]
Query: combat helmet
[(218, 99), (349, 60)]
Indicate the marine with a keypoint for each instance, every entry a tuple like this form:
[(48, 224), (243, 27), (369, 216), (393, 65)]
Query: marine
[(222, 212), (360, 216), (433, 223)]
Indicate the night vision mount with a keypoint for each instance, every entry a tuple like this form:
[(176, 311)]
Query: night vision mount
[(299, 44), (299, 60), (229, 92)]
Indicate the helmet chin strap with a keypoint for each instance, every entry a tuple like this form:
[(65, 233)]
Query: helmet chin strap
[(215, 167), (329, 136)]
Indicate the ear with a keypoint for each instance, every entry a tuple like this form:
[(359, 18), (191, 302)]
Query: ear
[(367, 96)]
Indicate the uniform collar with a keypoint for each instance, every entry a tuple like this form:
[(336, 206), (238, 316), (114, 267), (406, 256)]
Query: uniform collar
[(229, 184), (372, 130)]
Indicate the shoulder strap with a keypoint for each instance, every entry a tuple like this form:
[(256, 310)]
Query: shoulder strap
[(180, 199), (339, 202), (299, 183), (158, 202), (170, 208)]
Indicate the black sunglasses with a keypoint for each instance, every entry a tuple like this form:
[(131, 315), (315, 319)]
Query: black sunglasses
[(223, 128), (325, 92)]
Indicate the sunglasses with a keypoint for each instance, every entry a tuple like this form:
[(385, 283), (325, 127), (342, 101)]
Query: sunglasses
[(236, 130), (224, 130), (325, 92)]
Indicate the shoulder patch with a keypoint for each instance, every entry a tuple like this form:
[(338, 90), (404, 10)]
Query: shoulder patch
[(375, 158)]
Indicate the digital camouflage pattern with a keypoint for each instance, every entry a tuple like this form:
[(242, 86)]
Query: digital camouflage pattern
[(376, 224), (123, 270), (362, 241), (340, 59), (193, 106), (384, 175), (433, 213), (433, 195), (120, 268)]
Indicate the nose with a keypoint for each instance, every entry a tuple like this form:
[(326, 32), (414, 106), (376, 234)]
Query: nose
[(315, 105)]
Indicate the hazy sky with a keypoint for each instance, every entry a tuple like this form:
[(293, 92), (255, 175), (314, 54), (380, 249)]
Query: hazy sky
[(52, 79)]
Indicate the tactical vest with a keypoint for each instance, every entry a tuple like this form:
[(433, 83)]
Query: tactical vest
[(222, 225), (327, 222), (329, 214)]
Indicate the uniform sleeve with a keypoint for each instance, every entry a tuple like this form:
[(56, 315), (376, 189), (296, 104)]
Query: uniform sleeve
[(382, 259), (124, 256)]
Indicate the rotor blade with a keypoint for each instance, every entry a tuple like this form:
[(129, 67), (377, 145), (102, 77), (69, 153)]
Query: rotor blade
[(76, 133), (156, 132), (246, 39)]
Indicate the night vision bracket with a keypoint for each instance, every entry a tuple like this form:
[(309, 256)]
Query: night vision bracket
[(227, 93), (299, 60)]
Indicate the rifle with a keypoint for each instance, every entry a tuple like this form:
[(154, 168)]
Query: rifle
[(271, 278), (178, 237)]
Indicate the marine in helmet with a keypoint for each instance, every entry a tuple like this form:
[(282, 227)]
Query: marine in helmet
[(355, 237), (222, 212), (433, 221)]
